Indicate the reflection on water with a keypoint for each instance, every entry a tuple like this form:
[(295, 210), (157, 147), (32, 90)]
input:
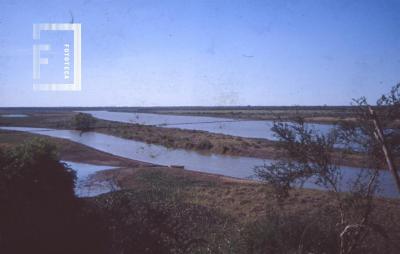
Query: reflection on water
[(240, 167), (239, 128), (87, 186)]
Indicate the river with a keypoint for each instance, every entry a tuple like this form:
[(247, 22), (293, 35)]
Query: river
[(233, 166)]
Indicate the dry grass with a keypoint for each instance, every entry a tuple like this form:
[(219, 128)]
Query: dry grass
[(243, 199)]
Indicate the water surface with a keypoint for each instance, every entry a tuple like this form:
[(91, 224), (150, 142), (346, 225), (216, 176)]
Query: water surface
[(240, 167)]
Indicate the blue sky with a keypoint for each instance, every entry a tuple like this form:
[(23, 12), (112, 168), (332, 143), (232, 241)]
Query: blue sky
[(163, 53)]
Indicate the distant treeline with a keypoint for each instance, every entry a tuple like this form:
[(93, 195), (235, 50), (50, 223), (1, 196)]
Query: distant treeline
[(189, 108)]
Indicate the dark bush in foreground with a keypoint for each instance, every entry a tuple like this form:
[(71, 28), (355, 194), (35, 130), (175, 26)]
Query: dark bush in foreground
[(39, 212), (36, 197)]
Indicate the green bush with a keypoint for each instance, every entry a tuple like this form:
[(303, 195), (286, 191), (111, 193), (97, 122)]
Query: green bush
[(84, 122), (39, 212)]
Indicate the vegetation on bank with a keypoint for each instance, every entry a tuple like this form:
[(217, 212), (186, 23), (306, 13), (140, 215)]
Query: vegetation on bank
[(158, 212), (309, 158), (39, 211), (307, 217)]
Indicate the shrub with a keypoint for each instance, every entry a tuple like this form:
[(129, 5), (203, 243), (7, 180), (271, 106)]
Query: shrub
[(39, 212), (204, 144), (36, 197), (84, 122)]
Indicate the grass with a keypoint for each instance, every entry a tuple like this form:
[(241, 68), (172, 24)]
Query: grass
[(173, 206), (251, 210), (239, 198)]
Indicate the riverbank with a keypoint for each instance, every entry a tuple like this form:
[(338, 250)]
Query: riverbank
[(200, 141), (214, 190), (249, 203), (247, 212), (176, 192)]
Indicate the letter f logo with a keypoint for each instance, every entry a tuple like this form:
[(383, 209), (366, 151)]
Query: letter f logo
[(37, 60)]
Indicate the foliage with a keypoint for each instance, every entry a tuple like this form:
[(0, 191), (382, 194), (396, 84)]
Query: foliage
[(309, 158), (39, 212), (84, 122), (361, 132)]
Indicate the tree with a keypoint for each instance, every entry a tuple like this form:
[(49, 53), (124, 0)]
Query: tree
[(309, 156), (377, 125), (84, 122)]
